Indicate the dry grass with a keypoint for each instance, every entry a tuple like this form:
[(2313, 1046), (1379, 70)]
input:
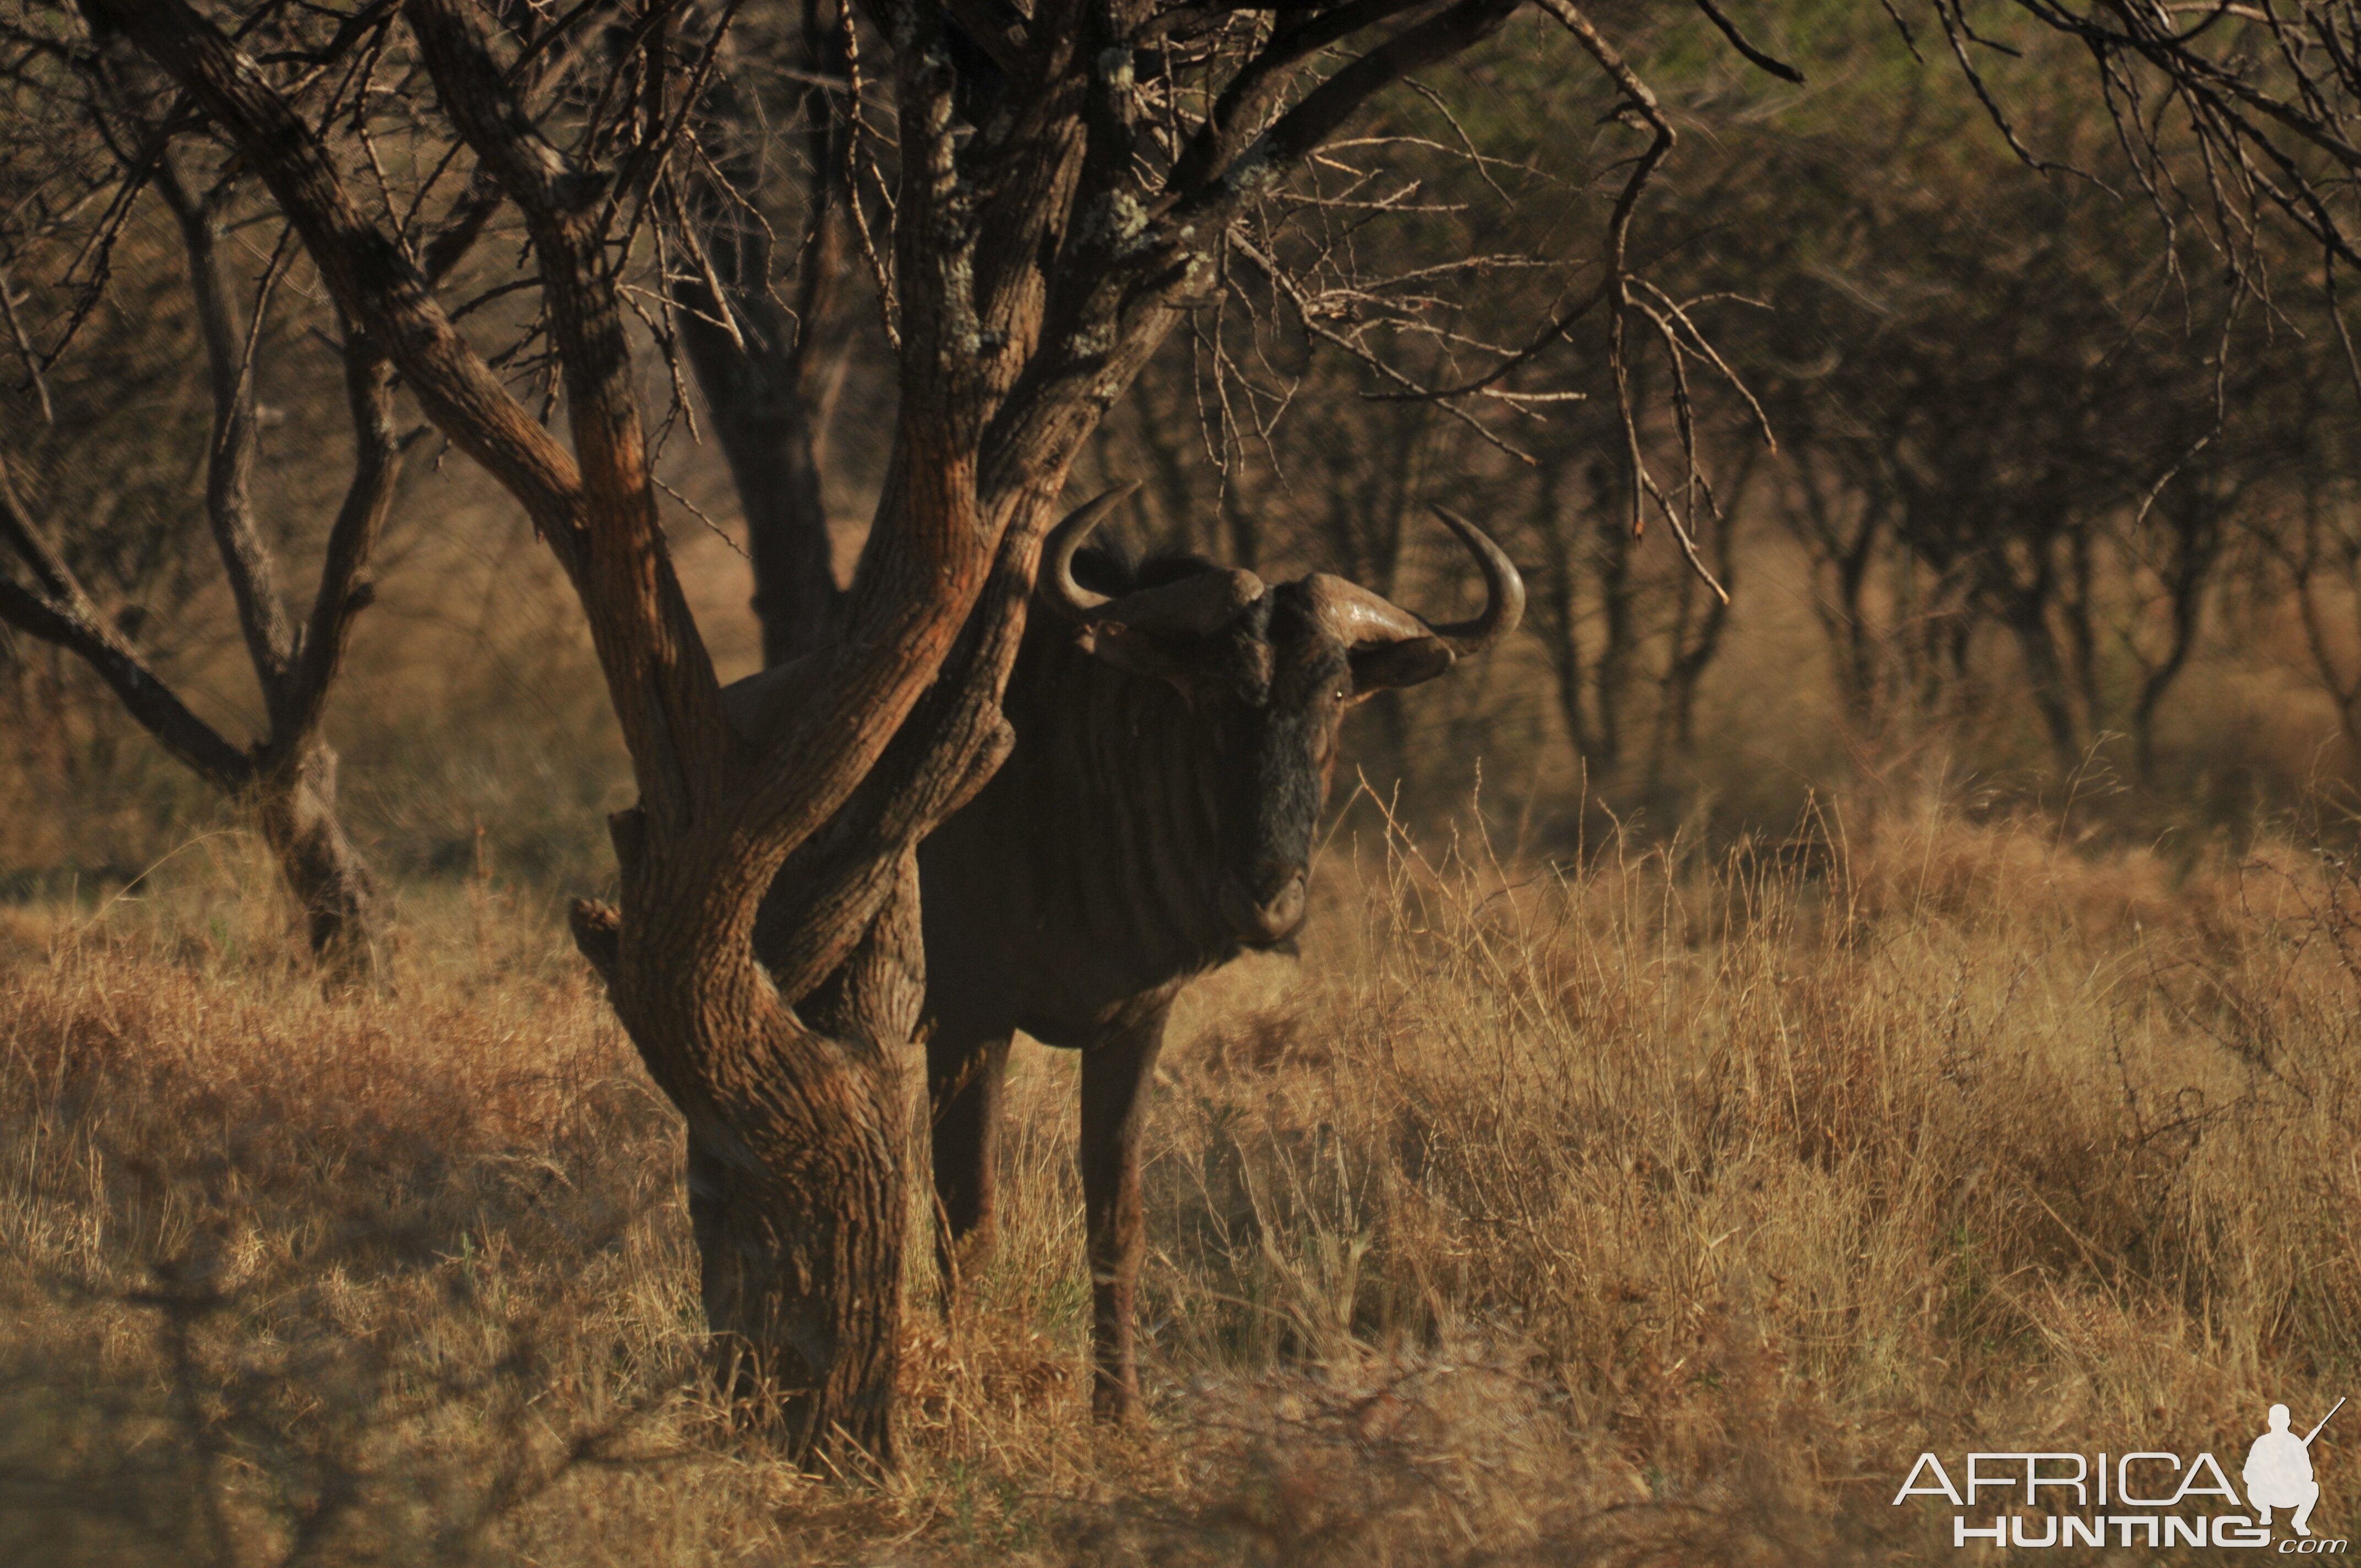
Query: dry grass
[(1656, 1212)]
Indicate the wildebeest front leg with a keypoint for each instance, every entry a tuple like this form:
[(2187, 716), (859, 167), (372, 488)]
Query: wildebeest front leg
[(964, 1082), (1116, 1076)]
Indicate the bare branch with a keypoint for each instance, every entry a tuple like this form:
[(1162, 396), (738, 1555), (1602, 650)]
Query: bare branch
[(62, 614), (32, 361), (1323, 110), (363, 266), (657, 671), (1777, 68), (229, 462), (345, 587)]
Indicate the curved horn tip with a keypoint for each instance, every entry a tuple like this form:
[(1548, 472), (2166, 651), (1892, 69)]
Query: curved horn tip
[(1454, 522), (1055, 583), (1078, 523), (1106, 501), (1504, 590)]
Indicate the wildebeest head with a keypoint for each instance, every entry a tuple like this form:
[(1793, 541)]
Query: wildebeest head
[(1268, 670)]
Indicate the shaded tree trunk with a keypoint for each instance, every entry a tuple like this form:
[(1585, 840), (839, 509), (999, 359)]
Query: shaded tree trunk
[(1612, 550), (2194, 524), (2319, 543), (2076, 608), (1844, 553), (1696, 640), (2023, 613), (1559, 620)]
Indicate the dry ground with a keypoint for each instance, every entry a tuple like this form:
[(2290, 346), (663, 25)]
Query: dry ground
[(1659, 1212)]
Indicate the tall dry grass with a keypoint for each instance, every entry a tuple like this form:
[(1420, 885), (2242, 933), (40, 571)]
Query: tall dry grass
[(1656, 1211)]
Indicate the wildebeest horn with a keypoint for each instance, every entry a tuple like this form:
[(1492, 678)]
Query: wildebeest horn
[(1055, 581), (1359, 618), (1504, 592), (1191, 606)]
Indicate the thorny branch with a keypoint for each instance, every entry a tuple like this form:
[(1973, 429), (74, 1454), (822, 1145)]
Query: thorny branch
[(2266, 96)]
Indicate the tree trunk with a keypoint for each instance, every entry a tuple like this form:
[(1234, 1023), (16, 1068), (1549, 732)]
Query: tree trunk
[(2045, 675), (800, 1238), (2074, 608), (1618, 602), (1560, 618), (753, 357), (297, 802), (1847, 552), (1690, 657), (2186, 591), (756, 410)]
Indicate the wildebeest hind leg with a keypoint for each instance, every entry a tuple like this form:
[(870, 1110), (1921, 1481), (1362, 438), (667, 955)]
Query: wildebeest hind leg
[(1115, 1077), (963, 1079)]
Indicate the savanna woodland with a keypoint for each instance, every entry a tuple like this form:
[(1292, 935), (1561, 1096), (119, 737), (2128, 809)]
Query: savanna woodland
[(599, 599)]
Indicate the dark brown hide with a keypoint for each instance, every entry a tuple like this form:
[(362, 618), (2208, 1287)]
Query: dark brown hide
[(1154, 820)]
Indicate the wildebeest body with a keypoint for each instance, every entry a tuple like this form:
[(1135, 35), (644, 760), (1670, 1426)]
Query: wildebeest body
[(1175, 729), (1080, 889)]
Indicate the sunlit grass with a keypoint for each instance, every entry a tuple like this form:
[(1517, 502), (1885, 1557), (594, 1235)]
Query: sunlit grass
[(1658, 1209)]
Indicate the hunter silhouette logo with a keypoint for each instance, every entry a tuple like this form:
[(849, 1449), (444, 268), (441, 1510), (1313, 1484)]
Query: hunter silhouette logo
[(2148, 1497), (2278, 1471)]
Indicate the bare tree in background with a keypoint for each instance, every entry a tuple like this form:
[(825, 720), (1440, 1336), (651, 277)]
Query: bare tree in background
[(290, 771), (2236, 117), (2318, 553), (1294, 278), (2268, 99), (760, 358)]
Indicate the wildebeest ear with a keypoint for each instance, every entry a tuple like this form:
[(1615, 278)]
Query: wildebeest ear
[(1376, 666), (1136, 652)]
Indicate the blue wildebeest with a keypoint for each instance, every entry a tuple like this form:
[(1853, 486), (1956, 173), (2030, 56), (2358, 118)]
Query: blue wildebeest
[(1175, 725)]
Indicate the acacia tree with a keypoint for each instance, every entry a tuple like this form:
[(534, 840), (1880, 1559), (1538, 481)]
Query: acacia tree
[(290, 771), (1070, 181)]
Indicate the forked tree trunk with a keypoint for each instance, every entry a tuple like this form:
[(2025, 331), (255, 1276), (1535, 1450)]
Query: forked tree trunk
[(801, 1259), (796, 1182), (797, 1116)]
